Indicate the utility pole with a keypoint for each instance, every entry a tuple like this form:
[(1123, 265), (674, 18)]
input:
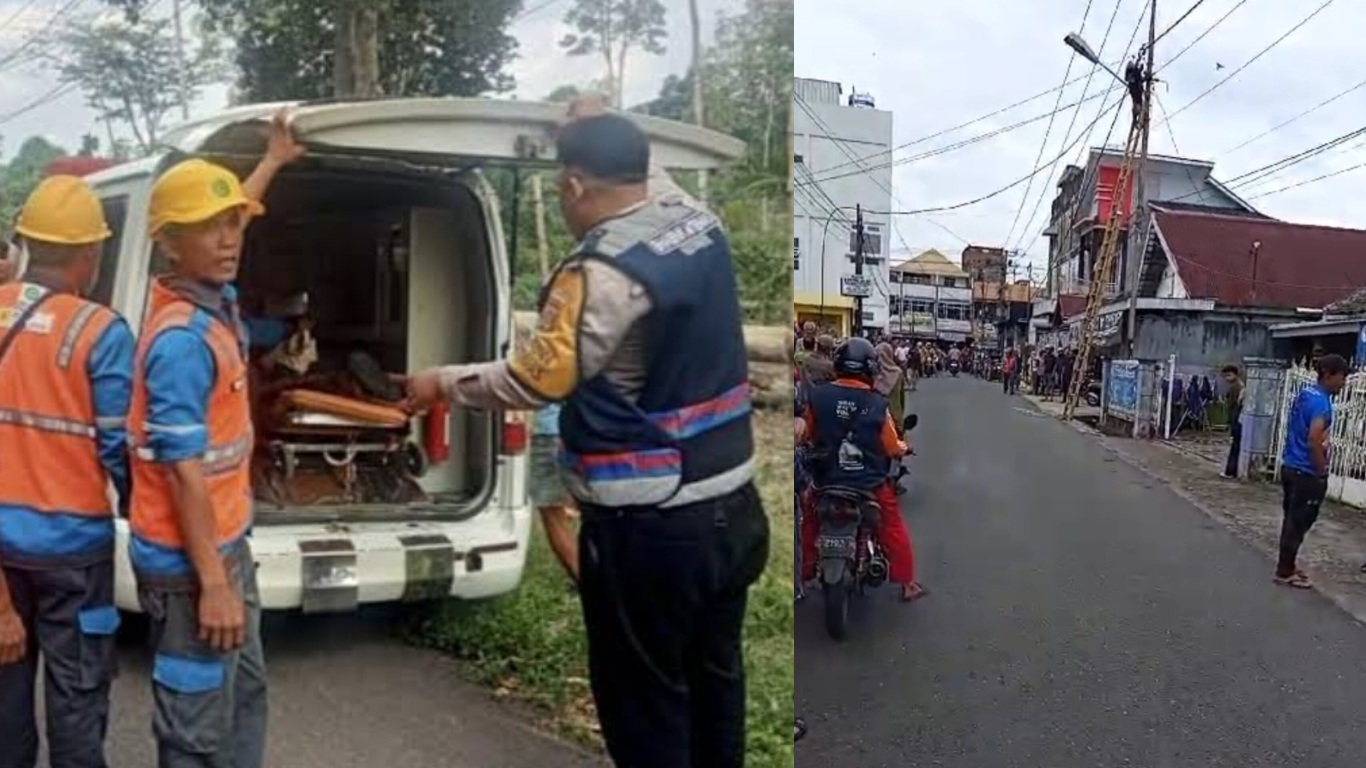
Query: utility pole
[(180, 60), (858, 268), (1140, 203), (695, 17)]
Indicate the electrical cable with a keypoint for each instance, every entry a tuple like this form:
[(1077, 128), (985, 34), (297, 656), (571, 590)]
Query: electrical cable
[(1038, 202), (1247, 63), (1179, 19), (1201, 36), (1305, 113), (1298, 184), (58, 92), (36, 36), (1048, 131)]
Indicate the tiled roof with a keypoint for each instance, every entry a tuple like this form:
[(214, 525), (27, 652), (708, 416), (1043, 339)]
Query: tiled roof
[(1296, 265), (1352, 304), (930, 262)]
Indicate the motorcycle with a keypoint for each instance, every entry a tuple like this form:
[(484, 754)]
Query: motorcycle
[(953, 368), (852, 560)]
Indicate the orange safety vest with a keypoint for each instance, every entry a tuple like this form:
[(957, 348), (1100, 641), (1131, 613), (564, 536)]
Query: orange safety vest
[(48, 447), (226, 464)]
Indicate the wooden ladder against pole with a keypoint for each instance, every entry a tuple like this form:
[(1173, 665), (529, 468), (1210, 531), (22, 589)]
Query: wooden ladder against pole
[(1101, 275)]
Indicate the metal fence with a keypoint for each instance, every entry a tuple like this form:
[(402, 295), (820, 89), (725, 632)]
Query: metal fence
[(1347, 457)]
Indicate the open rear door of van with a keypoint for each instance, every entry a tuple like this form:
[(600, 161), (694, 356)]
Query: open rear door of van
[(448, 132)]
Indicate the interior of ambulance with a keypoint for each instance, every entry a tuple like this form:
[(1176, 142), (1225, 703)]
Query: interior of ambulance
[(359, 270)]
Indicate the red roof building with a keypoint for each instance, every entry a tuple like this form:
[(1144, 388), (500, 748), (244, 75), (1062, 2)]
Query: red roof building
[(78, 165), (1239, 261)]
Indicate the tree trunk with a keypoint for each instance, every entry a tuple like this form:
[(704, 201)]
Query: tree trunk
[(355, 66), (542, 245)]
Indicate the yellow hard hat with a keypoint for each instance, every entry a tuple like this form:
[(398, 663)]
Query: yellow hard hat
[(63, 210), (196, 190)]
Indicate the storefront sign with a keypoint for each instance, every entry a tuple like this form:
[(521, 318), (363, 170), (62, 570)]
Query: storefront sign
[(1121, 388)]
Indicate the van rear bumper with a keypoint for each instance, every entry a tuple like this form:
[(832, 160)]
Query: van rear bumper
[(321, 568)]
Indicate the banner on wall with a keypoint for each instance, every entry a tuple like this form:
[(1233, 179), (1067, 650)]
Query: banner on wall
[(1121, 389)]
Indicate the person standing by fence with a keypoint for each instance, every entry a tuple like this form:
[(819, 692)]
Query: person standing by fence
[(1304, 465), (1233, 407)]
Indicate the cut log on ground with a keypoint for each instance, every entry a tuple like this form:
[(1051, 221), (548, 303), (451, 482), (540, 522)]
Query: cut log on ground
[(768, 349)]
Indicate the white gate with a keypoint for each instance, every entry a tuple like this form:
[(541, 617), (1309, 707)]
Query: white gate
[(1347, 457)]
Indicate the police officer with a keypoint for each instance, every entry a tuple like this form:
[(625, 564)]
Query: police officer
[(65, 369), (190, 428), (640, 340)]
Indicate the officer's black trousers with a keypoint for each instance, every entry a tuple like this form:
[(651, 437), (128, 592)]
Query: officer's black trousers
[(663, 601)]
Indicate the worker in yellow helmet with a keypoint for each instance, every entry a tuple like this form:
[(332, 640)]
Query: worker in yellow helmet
[(65, 378), (190, 429)]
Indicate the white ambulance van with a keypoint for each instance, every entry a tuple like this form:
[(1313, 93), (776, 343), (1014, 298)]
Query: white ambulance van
[(398, 239)]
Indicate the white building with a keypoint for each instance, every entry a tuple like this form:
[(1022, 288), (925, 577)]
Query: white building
[(842, 153), (932, 299)]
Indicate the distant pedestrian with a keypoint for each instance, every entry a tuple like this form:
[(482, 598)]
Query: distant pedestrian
[(1233, 406), (1304, 465), (819, 367)]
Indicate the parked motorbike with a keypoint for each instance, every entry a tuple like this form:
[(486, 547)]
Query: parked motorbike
[(852, 560), (1092, 394)]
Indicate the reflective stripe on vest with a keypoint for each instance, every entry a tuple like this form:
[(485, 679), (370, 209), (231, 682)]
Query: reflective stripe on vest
[(653, 476), (227, 471), (47, 412)]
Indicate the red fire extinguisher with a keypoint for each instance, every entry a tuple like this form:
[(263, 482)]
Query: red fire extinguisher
[(437, 433)]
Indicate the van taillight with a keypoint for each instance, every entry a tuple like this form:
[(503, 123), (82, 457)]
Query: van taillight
[(514, 436)]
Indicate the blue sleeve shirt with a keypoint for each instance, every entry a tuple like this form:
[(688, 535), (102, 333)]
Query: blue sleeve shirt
[(180, 373), (266, 332), (110, 368), (1310, 404)]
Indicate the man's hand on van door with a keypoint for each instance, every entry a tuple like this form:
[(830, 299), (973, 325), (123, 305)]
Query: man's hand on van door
[(283, 147), (422, 390)]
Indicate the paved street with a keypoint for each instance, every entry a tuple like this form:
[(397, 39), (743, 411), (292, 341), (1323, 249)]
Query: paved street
[(1081, 614), (344, 693)]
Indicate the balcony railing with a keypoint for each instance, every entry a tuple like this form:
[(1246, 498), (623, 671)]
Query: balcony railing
[(1081, 286)]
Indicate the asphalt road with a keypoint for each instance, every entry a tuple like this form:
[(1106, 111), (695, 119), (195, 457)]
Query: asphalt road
[(345, 693), (1081, 614)]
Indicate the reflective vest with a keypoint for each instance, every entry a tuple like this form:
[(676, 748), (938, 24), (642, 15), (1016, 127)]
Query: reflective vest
[(687, 436), (157, 543), (847, 446), (49, 455)]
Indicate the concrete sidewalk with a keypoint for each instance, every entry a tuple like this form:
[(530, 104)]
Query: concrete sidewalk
[(1333, 553)]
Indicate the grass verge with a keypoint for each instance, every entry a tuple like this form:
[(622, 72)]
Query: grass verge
[(530, 646)]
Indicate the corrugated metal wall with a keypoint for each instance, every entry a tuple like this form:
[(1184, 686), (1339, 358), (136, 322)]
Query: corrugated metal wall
[(816, 91)]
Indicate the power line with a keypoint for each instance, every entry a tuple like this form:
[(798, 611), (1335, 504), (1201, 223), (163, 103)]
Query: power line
[(1245, 64), (1038, 202), (1048, 132), (36, 36), (951, 147), (58, 92), (1305, 113), (1179, 19), (537, 8), (1297, 184), (1202, 35)]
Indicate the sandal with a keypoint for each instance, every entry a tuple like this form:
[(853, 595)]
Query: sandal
[(1298, 580), (917, 591)]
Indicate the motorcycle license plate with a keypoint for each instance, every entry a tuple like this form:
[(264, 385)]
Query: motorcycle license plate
[(836, 546)]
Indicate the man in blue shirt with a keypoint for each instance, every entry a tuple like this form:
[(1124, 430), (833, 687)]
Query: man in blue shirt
[(1304, 465)]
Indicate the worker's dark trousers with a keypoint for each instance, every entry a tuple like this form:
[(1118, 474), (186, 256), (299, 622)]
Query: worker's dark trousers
[(70, 619), (210, 707), (663, 594), (1235, 446), (1302, 494)]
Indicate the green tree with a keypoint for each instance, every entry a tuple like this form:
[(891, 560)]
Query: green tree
[(22, 173), (129, 73), (674, 101), (747, 82), (611, 29), (285, 48)]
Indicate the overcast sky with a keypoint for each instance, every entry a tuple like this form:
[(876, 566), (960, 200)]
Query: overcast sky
[(539, 69), (936, 65)]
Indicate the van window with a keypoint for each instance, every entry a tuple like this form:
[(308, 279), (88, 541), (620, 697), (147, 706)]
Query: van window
[(116, 214)]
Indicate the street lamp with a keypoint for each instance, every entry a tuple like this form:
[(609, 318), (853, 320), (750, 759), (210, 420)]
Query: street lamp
[(1084, 50)]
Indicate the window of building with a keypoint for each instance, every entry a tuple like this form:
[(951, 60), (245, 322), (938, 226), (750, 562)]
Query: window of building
[(954, 282), (911, 278), (894, 276), (115, 214), (796, 253), (867, 316), (797, 159), (872, 242), (954, 310), (922, 306)]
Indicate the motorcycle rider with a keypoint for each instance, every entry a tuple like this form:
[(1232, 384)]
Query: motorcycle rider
[(853, 441)]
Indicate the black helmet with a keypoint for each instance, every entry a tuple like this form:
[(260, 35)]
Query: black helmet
[(856, 357)]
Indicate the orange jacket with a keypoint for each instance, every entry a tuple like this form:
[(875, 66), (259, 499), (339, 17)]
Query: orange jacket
[(226, 459), (48, 421), (891, 441)]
